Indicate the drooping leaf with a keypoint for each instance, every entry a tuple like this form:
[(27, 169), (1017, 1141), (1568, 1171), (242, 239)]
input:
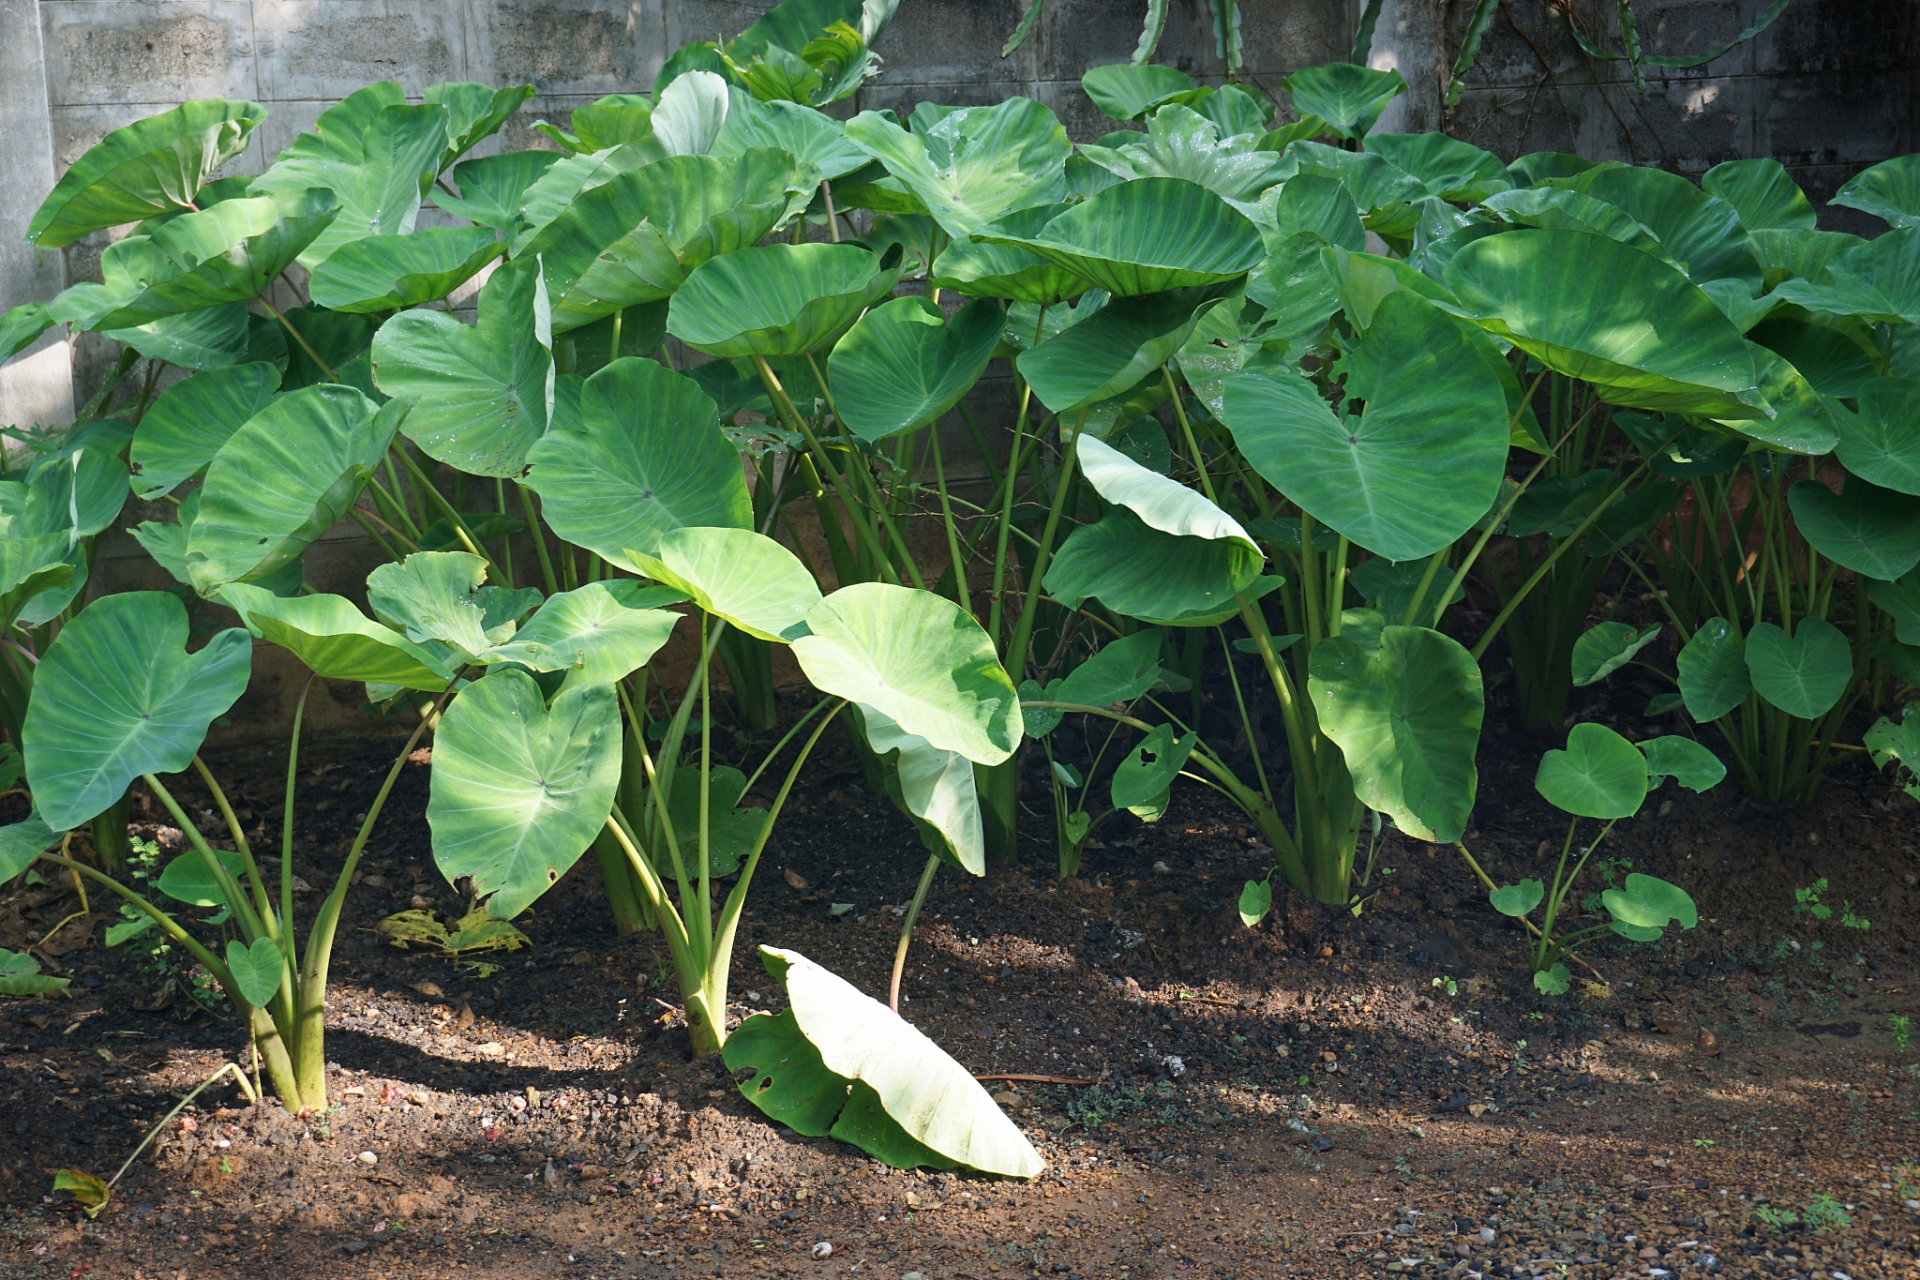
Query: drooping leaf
[(1599, 775), (1713, 671), (116, 695), (21, 327), (383, 273), (1417, 467), (20, 976), (187, 425), (1601, 311), (1873, 531), (1684, 760), (976, 164), (335, 640), (650, 459), (378, 178), (152, 166), (597, 633), (1407, 718), (1602, 650), (283, 479), (1889, 191), (1116, 346), (1162, 503), (1762, 194), (1125, 91), (29, 565), (937, 787), (520, 789), (779, 299), (903, 364), (876, 1064), (1804, 421), (1877, 280), (1565, 209), (1348, 97), (745, 577), (1803, 674), (1154, 577)]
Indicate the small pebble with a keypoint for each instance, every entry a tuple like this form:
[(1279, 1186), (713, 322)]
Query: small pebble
[(824, 1249), (367, 1157)]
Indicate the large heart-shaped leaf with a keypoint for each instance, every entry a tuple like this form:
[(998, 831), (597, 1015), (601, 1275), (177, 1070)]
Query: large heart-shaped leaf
[(563, 183), (597, 634), (1700, 231), (1606, 313), (1348, 97), (1449, 168), (1125, 91), (896, 1094), (1803, 674), (1417, 467), (1113, 348), (378, 176), (1877, 280), (1889, 191), (816, 140), (1872, 531), (976, 164), (520, 789), (1182, 143), (1407, 718), (480, 393), (210, 338), (637, 237), (903, 364), (150, 167), (983, 269), (493, 189), (1881, 443), (1157, 578), (1713, 671), (1599, 775), (1558, 207), (117, 695), (384, 273), (779, 299), (650, 458), (920, 660), (438, 596), (1762, 194), (744, 577), (192, 420), (283, 479), (1804, 421), (335, 640), (1145, 237)]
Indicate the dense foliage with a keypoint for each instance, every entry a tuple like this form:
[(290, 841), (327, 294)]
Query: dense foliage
[(1287, 391)]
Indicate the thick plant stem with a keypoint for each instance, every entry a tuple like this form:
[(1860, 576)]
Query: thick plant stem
[(906, 930)]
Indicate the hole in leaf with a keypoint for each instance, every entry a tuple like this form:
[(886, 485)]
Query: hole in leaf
[(766, 1083)]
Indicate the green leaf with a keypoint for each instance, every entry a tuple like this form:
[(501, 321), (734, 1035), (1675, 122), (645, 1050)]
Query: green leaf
[(1805, 674), (1447, 167), (189, 879), (918, 659), (1256, 900), (904, 1099), (474, 112), (383, 273), (1164, 504), (1040, 721), (20, 976), (340, 339), (1899, 599), (1762, 194), (1881, 443), (689, 112), (1553, 981), (210, 338), (1647, 902), (1713, 671), (779, 299), (29, 565), (1127, 92), (1182, 143), (22, 326), (936, 787), (282, 480), (493, 189), (976, 164), (636, 238), (651, 459), (152, 166), (1601, 311), (1139, 572), (1417, 467), (567, 179), (256, 969), (1390, 586), (1877, 280), (192, 419), (1123, 670), (1873, 531), (1348, 97), (1599, 775), (979, 269), (732, 832), (1604, 649), (1144, 237), (1804, 421), (1145, 774), (437, 596), (1684, 760), (1114, 347), (1886, 740), (816, 140), (378, 177), (1407, 718), (481, 393), (903, 364), (745, 577), (1517, 899), (1558, 207), (597, 634), (78, 492), (1702, 233), (521, 789), (116, 695), (1890, 191), (335, 640), (22, 842)]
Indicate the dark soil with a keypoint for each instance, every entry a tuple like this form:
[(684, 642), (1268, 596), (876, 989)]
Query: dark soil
[(1323, 1096)]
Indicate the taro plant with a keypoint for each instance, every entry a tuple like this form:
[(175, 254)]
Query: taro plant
[(1602, 777)]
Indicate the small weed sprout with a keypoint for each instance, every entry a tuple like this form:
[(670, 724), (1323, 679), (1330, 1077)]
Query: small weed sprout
[(1901, 1025), (1447, 984)]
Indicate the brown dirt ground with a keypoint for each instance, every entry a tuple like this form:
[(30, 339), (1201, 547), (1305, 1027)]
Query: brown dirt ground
[(1734, 1102)]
